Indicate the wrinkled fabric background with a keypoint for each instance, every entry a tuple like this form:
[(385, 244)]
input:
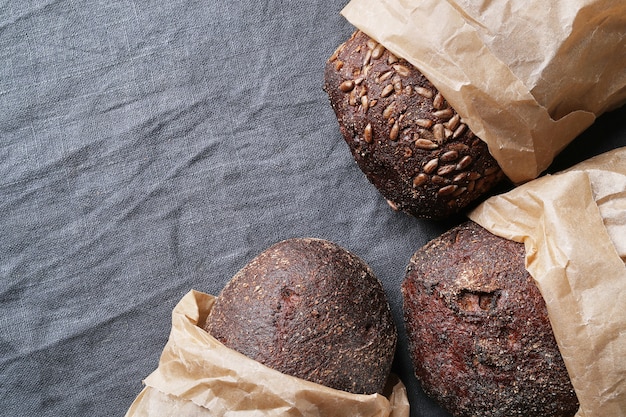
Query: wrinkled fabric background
[(152, 147)]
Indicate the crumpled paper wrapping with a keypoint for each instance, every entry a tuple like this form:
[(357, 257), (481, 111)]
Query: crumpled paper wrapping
[(573, 226), (527, 77), (198, 376)]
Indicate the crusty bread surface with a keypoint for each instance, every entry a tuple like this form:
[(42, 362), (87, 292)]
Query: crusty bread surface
[(478, 329), (310, 309), (405, 137)]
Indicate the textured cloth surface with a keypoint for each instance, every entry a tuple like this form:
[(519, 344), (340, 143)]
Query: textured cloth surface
[(149, 148)]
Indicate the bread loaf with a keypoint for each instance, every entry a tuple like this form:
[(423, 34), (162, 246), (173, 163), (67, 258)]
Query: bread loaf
[(310, 309), (404, 136), (478, 329)]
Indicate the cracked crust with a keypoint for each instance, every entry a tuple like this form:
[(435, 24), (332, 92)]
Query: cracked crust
[(478, 329)]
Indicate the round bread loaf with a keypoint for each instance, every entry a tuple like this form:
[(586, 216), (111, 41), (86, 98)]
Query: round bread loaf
[(311, 309), (478, 329), (403, 134)]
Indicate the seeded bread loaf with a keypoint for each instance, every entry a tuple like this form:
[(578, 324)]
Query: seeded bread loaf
[(402, 133), (478, 329), (310, 309)]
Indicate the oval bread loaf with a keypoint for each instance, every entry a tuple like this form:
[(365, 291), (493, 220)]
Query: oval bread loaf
[(403, 134), (310, 309), (478, 329)]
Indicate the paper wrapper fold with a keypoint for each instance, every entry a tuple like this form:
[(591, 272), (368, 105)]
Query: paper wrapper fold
[(573, 226), (198, 376), (527, 77)]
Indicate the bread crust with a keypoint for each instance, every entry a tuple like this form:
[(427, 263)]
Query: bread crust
[(310, 309), (478, 329), (403, 134)]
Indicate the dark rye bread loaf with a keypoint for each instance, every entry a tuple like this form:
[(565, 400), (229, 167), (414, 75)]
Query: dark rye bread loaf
[(478, 329), (310, 309), (402, 133)]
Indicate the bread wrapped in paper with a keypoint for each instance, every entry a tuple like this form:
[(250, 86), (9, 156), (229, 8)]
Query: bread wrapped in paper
[(527, 77), (573, 226), (198, 376)]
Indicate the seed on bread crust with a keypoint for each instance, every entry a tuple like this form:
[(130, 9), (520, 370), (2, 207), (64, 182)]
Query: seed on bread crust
[(438, 101), (449, 156), (425, 123), (424, 92), (402, 70), (464, 163), (367, 133), (431, 166), (445, 114), (346, 86), (393, 134), (426, 144), (387, 90), (377, 52), (420, 179), (447, 190), (414, 130)]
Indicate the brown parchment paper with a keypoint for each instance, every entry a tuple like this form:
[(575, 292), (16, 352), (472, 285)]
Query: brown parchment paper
[(527, 77), (573, 226), (198, 376)]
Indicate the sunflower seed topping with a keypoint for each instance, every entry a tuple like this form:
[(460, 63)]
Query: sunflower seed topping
[(395, 129), (397, 85), (459, 131), (420, 179), (352, 98), (438, 101), (393, 205), (389, 110), (367, 133), (439, 180), (402, 70), (366, 70), (425, 144), (459, 147), (387, 90), (346, 86), (464, 163), (378, 51), (364, 103), (385, 76), (431, 166), (449, 156), (426, 123), (424, 92), (446, 169), (438, 132), (462, 177), (368, 57), (453, 123), (447, 190), (444, 114), (459, 191)]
